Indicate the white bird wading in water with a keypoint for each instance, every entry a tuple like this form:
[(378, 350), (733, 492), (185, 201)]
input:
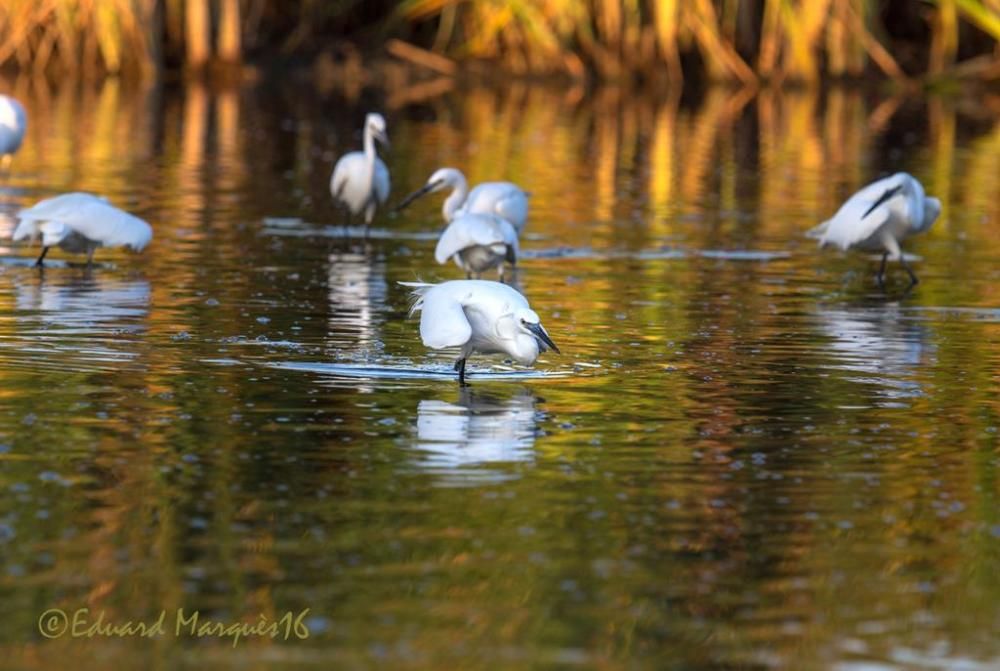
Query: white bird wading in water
[(879, 217), (80, 223), (479, 316), (360, 179)]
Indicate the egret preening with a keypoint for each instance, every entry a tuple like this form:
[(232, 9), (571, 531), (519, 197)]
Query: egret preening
[(80, 223), (504, 199), (13, 124), (879, 217), (479, 317), (478, 242), (360, 179)]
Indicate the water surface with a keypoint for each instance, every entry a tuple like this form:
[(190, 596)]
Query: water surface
[(747, 455)]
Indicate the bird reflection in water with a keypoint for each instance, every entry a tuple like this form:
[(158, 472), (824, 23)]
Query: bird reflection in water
[(457, 439), (883, 344), (357, 292), (81, 321)]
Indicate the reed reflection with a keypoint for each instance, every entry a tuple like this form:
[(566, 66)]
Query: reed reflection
[(479, 428)]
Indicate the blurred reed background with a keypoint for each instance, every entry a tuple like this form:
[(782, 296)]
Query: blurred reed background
[(737, 40)]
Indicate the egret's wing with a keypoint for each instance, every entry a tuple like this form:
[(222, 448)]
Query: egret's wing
[(853, 223), (513, 206), (382, 183), (466, 231), (27, 229), (342, 172), (856, 220), (510, 239), (442, 319), (504, 199)]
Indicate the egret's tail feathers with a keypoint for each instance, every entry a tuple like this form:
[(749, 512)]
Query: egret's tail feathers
[(417, 295), (27, 229), (818, 232)]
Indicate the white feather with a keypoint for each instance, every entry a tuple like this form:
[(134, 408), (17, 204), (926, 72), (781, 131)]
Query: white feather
[(13, 124), (504, 199), (478, 316), (470, 230), (905, 213)]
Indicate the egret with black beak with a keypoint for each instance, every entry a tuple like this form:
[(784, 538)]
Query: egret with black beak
[(481, 317)]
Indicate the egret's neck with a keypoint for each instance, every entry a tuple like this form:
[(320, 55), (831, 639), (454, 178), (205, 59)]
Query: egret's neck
[(370, 157), (455, 200)]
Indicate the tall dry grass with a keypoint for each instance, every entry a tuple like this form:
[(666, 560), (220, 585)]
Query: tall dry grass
[(739, 40), (733, 39)]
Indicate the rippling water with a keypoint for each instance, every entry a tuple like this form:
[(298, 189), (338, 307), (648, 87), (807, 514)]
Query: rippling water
[(747, 456)]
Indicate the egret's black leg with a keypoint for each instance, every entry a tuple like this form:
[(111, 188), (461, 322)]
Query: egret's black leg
[(460, 367), (880, 278), (906, 266), (38, 263)]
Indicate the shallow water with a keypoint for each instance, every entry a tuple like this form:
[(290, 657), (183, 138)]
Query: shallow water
[(747, 455)]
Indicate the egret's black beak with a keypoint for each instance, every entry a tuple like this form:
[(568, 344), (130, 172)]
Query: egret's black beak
[(542, 336), (884, 197), (427, 188), (383, 139)]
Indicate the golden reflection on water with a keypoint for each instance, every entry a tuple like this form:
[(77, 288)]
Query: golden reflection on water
[(754, 452)]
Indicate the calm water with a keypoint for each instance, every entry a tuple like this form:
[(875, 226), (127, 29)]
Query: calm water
[(746, 457)]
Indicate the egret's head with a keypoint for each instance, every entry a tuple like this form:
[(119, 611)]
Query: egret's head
[(932, 210), (441, 179), (444, 178), (375, 124), (528, 323)]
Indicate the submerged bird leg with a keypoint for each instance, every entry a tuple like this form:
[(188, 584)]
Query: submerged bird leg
[(38, 263), (90, 256), (906, 266), (460, 367), (880, 278)]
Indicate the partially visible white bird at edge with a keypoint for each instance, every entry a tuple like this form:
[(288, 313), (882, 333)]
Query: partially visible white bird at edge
[(477, 243), (80, 223), (504, 199), (879, 217), (481, 317), (13, 124), (360, 180)]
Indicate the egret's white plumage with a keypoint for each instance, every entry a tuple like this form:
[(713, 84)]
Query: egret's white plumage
[(879, 217), (360, 179), (13, 124), (503, 199), (479, 317), (478, 242), (80, 223)]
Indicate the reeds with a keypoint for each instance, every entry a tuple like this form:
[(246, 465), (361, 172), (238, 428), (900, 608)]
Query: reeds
[(738, 40), (74, 35), (741, 40)]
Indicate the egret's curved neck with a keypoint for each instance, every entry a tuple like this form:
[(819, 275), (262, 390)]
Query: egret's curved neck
[(457, 197), (370, 157)]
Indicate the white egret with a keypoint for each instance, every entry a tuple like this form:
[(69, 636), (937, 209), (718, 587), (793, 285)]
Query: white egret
[(13, 124), (478, 242), (879, 217), (80, 223), (504, 199), (360, 179), (478, 316)]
